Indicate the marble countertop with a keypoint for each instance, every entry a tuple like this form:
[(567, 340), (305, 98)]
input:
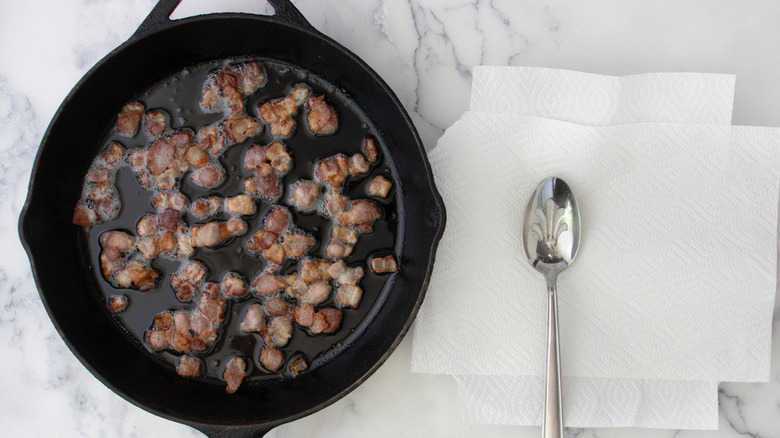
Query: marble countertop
[(425, 50)]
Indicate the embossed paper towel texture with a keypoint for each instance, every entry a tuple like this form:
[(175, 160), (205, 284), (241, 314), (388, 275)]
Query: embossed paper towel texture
[(722, 118), (598, 100)]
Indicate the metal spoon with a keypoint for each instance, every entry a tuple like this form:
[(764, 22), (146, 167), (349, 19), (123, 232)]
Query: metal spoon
[(551, 236)]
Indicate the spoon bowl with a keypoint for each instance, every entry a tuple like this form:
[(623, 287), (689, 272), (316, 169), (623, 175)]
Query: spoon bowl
[(551, 238)]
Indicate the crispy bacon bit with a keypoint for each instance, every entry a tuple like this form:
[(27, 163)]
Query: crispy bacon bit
[(113, 153), (243, 205), (84, 216), (304, 195), (296, 245), (380, 186), (295, 286), (278, 220), (242, 128), (205, 207), (158, 339), (298, 366), (236, 227), (211, 305), (333, 170), (268, 186), (333, 317), (383, 265), (362, 212), (337, 250), (183, 288), (261, 241), (117, 303), (209, 176), (129, 119), (370, 150), (212, 140), (195, 271), (322, 117), (279, 112), (315, 271), (278, 332), (275, 253), (156, 122), (184, 245), (188, 366), (344, 234), (161, 156), (119, 240), (181, 339), (138, 159), (202, 327), (256, 161), (276, 306), (182, 139), (196, 156), (210, 100), (303, 315), (206, 235), (254, 319), (234, 374), (343, 274), (235, 101), (168, 199), (271, 359), (317, 293), (233, 285), (358, 165), (348, 295), (253, 78), (169, 219), (276, 153), (147, 225), (319, 324), (138, 275), (267, 284), (335, 203)]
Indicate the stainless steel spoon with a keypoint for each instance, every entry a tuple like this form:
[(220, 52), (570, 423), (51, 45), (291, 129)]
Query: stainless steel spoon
[(551, 237)]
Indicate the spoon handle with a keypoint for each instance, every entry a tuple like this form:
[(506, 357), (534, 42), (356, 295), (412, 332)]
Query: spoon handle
[(552, 422)]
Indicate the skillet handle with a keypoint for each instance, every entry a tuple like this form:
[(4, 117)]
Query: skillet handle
[(233, 431), (160, 15)]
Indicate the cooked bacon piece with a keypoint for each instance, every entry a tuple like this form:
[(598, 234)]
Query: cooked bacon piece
[(275, 253), (240, 129), (278, 220), (348, 295), (317, 293), (315, 271), (182, 139), (161, 156), (304, 195), (113, 153), (138, 159), (271, 359), (333, 317), (298, 366), (129, 119), (261, 241), (319, 324), (106, 205), (233, 285), (370, 150), (296, 245), (158, 339), (236, 227), (335, 203), (183, 288), (99, 175), (268, 186), (303, 315), (188, 366), (278, 332), (295, 286), (195, 271), (235, 101), (254, 319), (168, 199), (147, 225), (338, 250), (234, 374), (203, 328), (253, 78), (209, 176), (120, 240), (358, 165), (267, 284), (276, 306), (210, 100), (279, 112), (333, 170), (181, 339), (212, 140), (243, 205), (84, 216), (196, 156), (156, 122), (383, 265), (256, 161), (322, 117), (380, 186), (211, 305), (226, 77), (276, 153), (362, 212), (146, 247), (169, 219), (137, 275), (117, 303), (205, 207), (206, 235), (184, 245), (343, 274), (344, 234)]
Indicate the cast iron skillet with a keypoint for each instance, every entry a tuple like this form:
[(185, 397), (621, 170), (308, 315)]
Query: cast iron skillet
[(66, 280)]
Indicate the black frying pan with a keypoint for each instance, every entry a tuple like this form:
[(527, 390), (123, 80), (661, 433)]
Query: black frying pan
[(65, 277)]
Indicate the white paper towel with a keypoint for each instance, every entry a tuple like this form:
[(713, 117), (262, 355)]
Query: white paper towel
[(475, 144)]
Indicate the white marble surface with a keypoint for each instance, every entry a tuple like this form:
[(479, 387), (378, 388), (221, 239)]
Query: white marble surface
[(425, 50)]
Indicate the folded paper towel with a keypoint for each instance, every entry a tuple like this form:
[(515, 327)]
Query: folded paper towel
[(599, 155)]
